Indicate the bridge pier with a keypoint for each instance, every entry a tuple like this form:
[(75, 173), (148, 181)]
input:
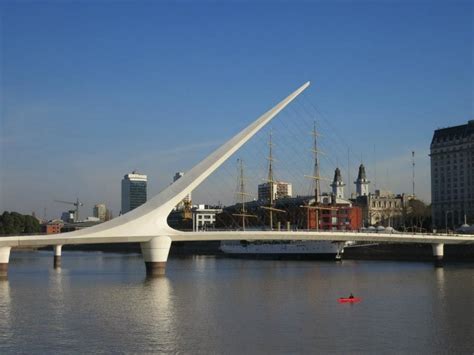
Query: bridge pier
[(438, 254), (57, 256), (155, 254), (4, 260)]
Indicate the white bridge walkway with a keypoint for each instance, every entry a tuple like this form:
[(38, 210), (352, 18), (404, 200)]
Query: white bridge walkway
[(147, 224)]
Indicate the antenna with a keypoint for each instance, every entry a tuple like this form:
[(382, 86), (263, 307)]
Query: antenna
[(349, 172), (413, 171), (375, 170)]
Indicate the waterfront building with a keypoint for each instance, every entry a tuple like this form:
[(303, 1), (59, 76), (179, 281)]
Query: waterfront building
[(381, 208), (295, 215), (204, 217), (452, 176), (52, 227), (134, 191), (86, 223), (100, 212), (279, 189), (68, 216), (335, 214)]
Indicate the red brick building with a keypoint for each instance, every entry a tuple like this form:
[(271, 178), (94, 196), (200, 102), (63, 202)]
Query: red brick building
[(335, 217), (52, 227)]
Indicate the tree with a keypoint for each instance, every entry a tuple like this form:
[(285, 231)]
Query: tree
[(16, 223), (418, 214)]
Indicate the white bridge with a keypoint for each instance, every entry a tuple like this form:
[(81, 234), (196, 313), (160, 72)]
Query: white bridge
[(147, 224)]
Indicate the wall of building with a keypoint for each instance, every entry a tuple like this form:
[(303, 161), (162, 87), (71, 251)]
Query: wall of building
[(452, 175)]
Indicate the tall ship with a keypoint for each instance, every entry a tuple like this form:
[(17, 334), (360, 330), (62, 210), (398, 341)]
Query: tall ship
[(310, 207)]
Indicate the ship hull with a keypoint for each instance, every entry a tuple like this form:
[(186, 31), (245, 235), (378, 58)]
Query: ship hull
[(309, 250)]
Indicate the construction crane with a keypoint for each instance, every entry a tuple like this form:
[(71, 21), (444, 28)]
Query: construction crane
[(77, 204)]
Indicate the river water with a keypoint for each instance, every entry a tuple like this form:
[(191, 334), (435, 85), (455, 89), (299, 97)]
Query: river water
[(102, 303)]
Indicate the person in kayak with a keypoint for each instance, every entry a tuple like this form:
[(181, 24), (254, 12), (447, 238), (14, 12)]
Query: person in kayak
[(351, 296)]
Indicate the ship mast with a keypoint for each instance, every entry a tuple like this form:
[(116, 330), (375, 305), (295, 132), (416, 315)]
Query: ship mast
[(270, 177), (271, 183), (242, 194), (316, 172), (316, 177)]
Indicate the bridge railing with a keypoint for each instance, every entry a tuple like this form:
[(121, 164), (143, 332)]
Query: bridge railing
[(394, 233)]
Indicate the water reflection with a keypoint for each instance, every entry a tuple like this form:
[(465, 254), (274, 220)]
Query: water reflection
[(57, 283), (157, 313), (6, 332), (440, 281)]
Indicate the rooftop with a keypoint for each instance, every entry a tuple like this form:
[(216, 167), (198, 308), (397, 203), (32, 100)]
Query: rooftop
[(452, 133)]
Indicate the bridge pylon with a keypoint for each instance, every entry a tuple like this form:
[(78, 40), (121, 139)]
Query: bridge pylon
[(4, 260), (438, 254), (57, 256), (155, 254)]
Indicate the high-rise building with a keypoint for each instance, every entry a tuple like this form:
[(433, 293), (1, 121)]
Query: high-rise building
[(100, 212), (452, 175), (133, 191), (279, 189)]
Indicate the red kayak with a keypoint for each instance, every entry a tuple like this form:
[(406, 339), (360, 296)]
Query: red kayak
[(349, 300)]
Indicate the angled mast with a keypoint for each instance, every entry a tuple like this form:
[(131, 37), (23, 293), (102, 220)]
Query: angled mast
[(316, 171), (242, 194), (316, 177), (271, 183)]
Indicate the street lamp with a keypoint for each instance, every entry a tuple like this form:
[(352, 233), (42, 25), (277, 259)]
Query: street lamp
[(446, 219)]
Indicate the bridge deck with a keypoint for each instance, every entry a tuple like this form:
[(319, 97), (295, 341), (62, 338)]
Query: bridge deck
[(64, 239)]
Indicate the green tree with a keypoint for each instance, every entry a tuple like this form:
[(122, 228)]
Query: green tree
[(16, 223)]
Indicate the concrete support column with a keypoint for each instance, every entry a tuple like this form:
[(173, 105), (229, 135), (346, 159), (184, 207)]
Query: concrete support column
[(155, 253), (57, 256), (4, 259), (438, 254)]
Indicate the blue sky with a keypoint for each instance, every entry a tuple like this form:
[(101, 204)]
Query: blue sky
[(92, 90)]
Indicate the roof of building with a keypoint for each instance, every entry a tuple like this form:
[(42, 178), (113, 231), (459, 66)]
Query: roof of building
[(361, 175), (337, 176), (455, 132)]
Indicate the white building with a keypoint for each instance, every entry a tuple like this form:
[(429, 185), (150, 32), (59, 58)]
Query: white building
[(69, 216), (134, 191), (279, 189), (204, 217), (100, 212), (381, 208)]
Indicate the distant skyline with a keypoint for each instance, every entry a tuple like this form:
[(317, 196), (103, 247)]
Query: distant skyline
[(93, 90)]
